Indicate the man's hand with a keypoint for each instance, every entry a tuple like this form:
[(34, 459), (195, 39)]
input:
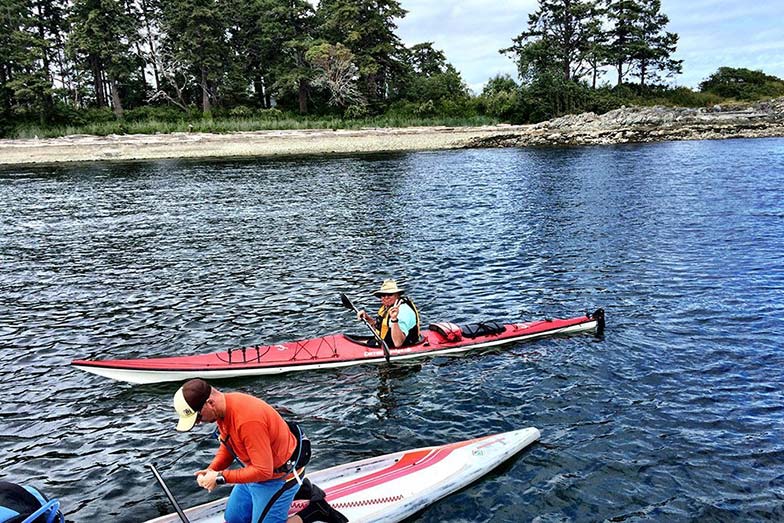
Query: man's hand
[(207, 479)]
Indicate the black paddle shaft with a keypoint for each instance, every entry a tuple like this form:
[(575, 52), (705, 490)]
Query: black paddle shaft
[(168, 493), (347, 304)]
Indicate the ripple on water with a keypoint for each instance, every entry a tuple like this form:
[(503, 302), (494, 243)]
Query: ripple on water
[(674, 415)]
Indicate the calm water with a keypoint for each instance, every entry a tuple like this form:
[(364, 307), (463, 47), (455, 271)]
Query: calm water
[(677, 414)]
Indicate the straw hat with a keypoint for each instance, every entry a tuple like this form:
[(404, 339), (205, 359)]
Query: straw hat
[(388, 287)]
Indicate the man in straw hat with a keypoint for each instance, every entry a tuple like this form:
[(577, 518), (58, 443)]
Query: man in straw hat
[(252, 432), (397, 321)]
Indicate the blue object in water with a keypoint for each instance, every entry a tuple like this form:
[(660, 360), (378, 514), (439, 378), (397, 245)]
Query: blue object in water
[(27, 505)]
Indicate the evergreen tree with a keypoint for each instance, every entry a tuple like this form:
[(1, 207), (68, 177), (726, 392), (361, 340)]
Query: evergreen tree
[(195, 46), (149, 10), (425, 60), (102, 40), (597, 40), (30, 31), (558, 40), (555, 52), (639, 43), (652, 51), (434, 83), (366, 28), (246, 78), (623, 16), (288, 34), (50, 28)]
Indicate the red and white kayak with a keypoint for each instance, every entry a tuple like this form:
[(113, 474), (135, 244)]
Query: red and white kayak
[(335, 350), (391, 488)]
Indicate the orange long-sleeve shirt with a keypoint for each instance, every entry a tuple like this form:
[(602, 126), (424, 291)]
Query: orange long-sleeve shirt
[(260, 438)]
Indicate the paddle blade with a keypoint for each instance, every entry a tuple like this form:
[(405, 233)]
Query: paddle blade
[(346, 302)]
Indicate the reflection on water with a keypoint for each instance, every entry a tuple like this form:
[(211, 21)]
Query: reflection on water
[(673, 415)]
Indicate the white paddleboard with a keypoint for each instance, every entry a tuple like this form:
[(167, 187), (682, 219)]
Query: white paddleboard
[(392, 487)]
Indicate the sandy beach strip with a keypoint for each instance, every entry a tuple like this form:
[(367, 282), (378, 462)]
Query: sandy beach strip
[(81, 148)]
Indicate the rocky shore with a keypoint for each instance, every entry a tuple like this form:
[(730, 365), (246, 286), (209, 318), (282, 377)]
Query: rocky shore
[(625, 125), (649, 124)]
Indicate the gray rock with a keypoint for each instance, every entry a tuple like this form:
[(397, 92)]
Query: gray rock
[(648, 124)]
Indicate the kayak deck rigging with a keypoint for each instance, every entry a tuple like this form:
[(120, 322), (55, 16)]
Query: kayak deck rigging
[(299, 347)]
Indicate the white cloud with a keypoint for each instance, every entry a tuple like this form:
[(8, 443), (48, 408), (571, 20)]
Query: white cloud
[(713, 33), (470, 32)]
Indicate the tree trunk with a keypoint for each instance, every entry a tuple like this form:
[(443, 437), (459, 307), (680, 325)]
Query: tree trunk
[(104, 86), (65, 78), (46, 99), (95, 66), (372, 87), (142, 67), (151, 43), (303, 96), (139, 53), (643, 71), (206, 106), (258, 87), (5, 75), (116, 101)]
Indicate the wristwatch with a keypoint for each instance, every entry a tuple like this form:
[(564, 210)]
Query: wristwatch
[(393, 321), (219, 479)]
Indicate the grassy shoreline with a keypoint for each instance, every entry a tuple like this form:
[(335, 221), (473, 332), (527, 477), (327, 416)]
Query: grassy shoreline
[(626, 125), (239, 124)]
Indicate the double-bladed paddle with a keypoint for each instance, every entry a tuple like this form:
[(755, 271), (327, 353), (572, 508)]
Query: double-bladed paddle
[(347, 304)]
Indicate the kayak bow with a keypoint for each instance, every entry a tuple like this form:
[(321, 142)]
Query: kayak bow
[(335, 350)]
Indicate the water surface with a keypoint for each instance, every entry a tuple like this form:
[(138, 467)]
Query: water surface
[(676, 414)]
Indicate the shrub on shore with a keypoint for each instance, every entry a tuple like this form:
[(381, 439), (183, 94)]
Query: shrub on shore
[(502, 100), (238, 124)]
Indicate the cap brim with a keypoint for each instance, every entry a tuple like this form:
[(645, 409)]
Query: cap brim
[(187, 414), (378, 294), (186, 423)]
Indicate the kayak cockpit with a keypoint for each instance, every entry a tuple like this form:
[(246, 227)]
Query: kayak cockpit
[(371, 342)]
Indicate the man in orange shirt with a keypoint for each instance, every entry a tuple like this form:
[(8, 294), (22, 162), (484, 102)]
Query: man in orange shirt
[(252, 432)]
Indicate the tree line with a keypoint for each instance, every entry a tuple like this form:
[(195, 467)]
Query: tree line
[(341, 57), (570, 43), (72, 60)]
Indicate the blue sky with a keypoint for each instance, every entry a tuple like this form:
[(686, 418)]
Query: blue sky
[(713, 33)]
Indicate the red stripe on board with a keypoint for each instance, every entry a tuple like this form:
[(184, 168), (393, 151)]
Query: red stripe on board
[(409, 464)]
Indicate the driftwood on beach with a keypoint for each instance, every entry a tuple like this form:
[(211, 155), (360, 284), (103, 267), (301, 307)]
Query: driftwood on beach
[(624, 125)]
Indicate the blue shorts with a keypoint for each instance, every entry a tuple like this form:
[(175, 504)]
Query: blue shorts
[(248, 500)]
